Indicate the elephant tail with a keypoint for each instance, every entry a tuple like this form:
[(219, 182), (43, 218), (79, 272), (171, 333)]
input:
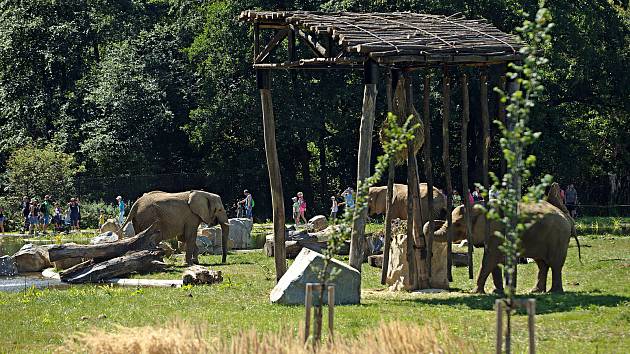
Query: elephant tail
[(574, 234)]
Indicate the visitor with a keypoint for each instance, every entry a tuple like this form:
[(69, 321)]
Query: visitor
[(101, 217), (73, 213), (2, 218), (302, 202), (493, 194), (471, 200), (296, 210), (26, 210), (348, 196), (121, 210), (572, 200), (76, 199), (457, 199), (57, 218), (334, 208), (477, 197), (248, 202), (33, 217), (45, 209)]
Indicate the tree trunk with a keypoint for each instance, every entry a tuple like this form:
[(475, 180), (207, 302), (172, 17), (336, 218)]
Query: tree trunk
[(90, 272), (464, 163)]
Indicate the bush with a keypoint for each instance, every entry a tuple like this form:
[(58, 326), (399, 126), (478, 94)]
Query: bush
[(90, 212)]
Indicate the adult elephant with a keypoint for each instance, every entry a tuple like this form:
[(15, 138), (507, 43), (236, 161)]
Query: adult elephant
[(546, 241), (378, 197), (178, 215)]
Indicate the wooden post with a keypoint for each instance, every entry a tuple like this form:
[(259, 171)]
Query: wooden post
[(485, 146), (464, 163), (308, 304), (391, 84), (531, 325), (516, 184), (501, 117), (275, 180), (498, 305), (428, 166), (331, 310), (446, 116), (256, 41), (363, 166), (410, 183)]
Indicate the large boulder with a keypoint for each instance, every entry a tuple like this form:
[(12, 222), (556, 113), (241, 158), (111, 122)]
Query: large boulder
[(318, 223), (31, 258), (8, 268), (104, 237), (241, 232), (128, 230), (204, 244), (212, 244), (109, 225), (291, 288)]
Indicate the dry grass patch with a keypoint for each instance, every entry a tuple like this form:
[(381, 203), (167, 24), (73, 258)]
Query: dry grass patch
[(181, 337)]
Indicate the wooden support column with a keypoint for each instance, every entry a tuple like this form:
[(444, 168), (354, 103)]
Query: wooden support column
[(446, 115), (501, 116), (275, 180), (464, 163), (256, 41), (428, 165), (392, 81), (485, 146), (363, 165), (422, 256), (516, 184)]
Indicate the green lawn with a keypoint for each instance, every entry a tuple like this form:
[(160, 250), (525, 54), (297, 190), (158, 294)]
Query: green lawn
[(592, 316)]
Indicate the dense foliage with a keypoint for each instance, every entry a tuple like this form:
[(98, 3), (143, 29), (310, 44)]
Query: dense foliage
[(146, 87)]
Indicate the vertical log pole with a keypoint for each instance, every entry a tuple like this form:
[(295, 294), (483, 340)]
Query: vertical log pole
[(485, 126), (464, 163), (363, 165), (331, 310), (391, 84), (411, 259), (501, 117), (256, 41), (275, 180), (446, 116), (498, 304), (308, 304), (421, 255), (531, 324), (428, 165), (510, 281)]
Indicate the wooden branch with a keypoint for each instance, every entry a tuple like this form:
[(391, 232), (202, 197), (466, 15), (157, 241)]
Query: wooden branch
[(273, 44), (147, 239)]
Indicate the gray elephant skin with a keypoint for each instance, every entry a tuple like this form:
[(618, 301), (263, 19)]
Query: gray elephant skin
[(178, 215), (378, 196), (546, 241)]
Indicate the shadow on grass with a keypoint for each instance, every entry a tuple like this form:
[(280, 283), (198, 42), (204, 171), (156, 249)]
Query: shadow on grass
[(545, 303)]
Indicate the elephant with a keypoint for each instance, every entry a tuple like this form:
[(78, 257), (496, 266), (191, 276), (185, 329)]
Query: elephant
[(178, 215), (546, 240), (377, 201)]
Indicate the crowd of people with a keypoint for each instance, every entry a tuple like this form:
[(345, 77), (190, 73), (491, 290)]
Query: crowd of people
[(49, 215)]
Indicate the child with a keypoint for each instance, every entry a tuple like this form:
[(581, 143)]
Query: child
[(2, 220), (296, 210), (101, 218), (57, 218), (33, 217), (302, 207), (334, 208)]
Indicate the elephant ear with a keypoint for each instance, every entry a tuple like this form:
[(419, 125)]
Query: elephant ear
[(200, 205)]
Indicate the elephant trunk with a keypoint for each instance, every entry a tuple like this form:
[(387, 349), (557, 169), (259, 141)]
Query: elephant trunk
[(439, 234), (225, 231)]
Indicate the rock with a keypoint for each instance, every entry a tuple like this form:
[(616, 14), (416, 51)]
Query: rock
[(290, 290), (376, 261), (204, 244), (268, 247), (109, 225), (398, 268), (8, 268), (439, 266), (31, 258), (241, 233), (460, 259), (318, 223), (167, 248), (212, 244), (128, 230), (67, 263), (104, 237), (324, 234), (201, 275)]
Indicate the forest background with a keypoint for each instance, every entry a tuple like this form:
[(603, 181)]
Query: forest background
[(100, 98)]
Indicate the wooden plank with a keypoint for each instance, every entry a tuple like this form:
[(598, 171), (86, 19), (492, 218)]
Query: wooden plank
[(275, 180), (464, 163), (273, 44), (363, 164), (391, 80), (446, 160)]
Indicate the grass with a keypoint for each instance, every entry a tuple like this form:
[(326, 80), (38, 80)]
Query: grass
[(592, 316)]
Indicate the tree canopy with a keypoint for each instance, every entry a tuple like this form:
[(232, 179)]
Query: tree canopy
[(146, 87)]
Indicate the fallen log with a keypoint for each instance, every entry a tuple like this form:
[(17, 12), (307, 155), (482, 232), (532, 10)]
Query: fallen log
[(93, 272), (201, 275), (376, 260), (147, 239)]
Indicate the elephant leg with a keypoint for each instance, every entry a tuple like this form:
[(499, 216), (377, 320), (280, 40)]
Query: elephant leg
[(556, 279), (192, 251), (487, 266), (543, 270), (497, 279)]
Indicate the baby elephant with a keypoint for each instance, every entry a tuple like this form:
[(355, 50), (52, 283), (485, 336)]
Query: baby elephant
[(546, 241)]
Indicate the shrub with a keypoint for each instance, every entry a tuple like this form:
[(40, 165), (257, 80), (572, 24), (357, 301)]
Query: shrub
[(90, 211)]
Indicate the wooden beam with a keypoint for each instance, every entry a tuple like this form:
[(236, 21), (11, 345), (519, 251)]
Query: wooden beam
[(428, 165), (501, 116), (464, 163), (291, 46), (446, 160), (275, 180), (485, 146), (273, 44), (256, 41), (392, 80), (363, 165), (312, 43)]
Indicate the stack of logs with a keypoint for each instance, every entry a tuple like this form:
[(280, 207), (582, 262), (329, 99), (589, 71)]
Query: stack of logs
[(109, 260)]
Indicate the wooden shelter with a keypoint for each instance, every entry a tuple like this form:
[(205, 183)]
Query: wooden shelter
[(400, 42)]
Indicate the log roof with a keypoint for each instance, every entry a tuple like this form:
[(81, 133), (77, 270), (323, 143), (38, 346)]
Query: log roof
[(395, 39)]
